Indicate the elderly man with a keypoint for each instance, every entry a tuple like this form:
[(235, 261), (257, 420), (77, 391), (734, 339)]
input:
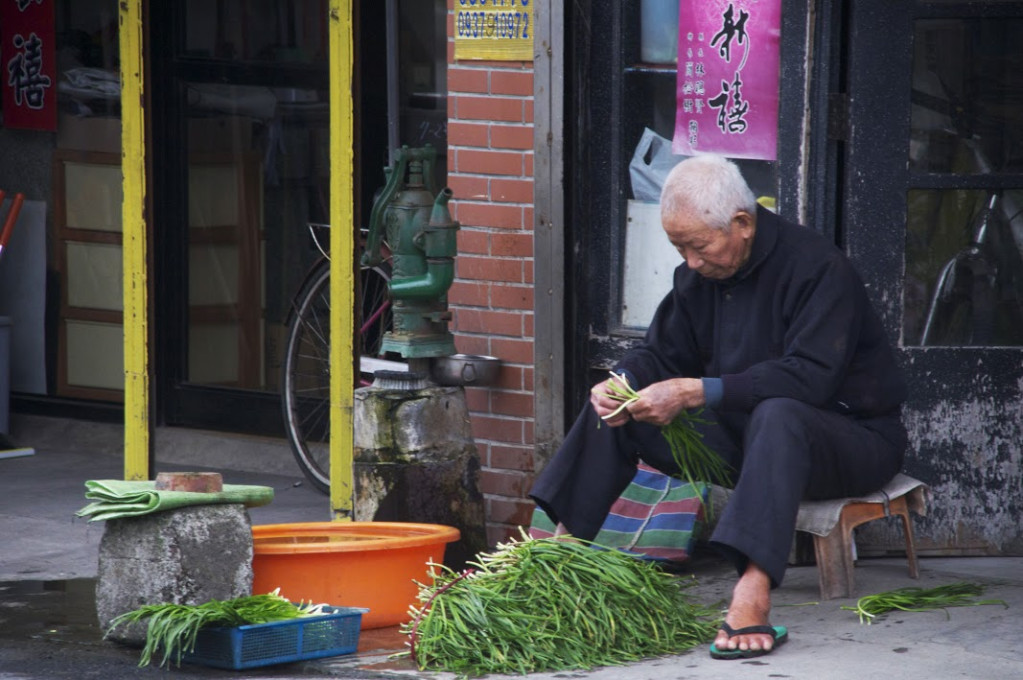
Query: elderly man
[(769, 328)]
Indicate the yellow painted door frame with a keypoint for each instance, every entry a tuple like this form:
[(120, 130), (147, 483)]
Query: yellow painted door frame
[(137, 426), (342, 261)]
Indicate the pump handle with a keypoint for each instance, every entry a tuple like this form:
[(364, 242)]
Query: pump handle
[(395, 176)]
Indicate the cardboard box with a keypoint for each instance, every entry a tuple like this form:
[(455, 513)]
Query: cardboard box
[(650, 262)]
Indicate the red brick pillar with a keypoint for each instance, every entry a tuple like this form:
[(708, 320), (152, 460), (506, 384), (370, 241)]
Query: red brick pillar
[(490, 171)]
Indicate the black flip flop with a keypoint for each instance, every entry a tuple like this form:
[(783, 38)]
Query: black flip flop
[(779, 633)]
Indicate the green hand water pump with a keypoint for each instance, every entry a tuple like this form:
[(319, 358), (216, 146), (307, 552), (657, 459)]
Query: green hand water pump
[(415, 222)]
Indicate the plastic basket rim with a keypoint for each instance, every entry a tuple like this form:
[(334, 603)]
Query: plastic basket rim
[(333, 613)]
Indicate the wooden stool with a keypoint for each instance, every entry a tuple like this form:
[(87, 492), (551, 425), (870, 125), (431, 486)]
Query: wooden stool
[(832, 522)]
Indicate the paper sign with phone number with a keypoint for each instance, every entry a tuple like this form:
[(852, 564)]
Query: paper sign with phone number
[(500, 30)]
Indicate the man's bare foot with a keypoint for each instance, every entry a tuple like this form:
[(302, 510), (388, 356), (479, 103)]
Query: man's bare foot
[(751, 606), (563, 534)]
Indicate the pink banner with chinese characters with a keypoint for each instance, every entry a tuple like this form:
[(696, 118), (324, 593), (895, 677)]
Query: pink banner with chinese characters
[(727, 93), (28, 52)]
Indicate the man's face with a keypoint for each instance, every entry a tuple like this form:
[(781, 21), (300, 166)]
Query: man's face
[(713, 253)]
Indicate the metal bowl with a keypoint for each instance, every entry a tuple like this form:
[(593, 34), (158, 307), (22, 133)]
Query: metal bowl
[(465, 369)]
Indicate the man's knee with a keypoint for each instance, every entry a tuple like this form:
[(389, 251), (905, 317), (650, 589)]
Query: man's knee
[(781, 413), (784, 431)]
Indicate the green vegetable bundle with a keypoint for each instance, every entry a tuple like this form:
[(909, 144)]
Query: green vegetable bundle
[(960, 594), (552, 604), (695, 460), (174, 627)]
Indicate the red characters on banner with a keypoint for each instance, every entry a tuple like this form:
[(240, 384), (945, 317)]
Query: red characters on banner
[(28, 54)]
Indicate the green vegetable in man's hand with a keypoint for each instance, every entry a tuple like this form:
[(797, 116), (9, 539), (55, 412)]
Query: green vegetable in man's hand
[(695, 460)]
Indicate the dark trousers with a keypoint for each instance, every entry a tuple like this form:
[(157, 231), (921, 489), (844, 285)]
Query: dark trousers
[(784, 452)]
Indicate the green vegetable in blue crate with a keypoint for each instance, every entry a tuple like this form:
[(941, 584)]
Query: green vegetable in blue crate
[(553, 604), (173, 627)]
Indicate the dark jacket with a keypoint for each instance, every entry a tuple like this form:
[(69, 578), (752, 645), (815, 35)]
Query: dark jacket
[(794, 321)]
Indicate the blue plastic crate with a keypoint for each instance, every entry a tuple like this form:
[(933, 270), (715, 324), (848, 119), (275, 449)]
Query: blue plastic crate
[(265, 644)]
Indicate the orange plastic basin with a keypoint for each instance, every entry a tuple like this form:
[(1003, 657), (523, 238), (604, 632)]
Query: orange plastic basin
[(349, 564)]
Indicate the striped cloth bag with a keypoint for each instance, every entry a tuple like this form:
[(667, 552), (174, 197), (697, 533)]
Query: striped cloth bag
[(657, 517)]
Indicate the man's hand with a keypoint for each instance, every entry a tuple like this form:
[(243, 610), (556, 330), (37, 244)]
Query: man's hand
[(659, 403), (605, 405)]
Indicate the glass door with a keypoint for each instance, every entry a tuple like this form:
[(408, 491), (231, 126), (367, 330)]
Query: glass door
[(241, 169), (241, 166)]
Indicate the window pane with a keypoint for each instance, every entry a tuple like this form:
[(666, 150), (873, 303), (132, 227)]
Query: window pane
[(964, 270), (279, 31), (422, 78), (964, 274), (649, 259), (257, 176), (967, 95)]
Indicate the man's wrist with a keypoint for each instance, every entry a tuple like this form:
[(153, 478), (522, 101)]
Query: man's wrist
[(713, 391)]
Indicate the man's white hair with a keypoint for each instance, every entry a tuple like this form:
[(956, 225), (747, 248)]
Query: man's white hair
[(707, 188)]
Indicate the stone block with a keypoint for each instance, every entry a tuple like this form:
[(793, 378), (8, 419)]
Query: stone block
[(185, 556), (398, 426), (416, 461)]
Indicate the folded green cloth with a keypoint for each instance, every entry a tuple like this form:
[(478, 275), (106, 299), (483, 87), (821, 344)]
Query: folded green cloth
[(115, 498)]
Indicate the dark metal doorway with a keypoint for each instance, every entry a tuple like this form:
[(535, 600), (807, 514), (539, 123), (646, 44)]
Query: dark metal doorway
[(930, 208)]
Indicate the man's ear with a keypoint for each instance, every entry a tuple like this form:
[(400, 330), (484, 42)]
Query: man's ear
[(745, 223)]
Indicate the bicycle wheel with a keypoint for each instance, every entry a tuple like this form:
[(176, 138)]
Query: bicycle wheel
[(306, 381)]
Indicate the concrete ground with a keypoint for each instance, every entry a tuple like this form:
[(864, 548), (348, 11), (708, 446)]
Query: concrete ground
[(48, 563)]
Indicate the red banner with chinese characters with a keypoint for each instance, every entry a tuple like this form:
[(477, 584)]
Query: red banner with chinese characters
[(728, 78), (28, 52)]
